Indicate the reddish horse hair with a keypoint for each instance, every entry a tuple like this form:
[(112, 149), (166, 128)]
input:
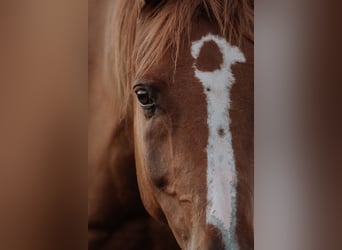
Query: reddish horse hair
[(168, 22), (174, 88)]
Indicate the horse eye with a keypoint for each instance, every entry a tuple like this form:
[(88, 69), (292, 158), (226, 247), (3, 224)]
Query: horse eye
[(144, 99)]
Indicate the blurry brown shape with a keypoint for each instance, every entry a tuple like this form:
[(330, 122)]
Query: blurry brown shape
[(298, 125), (43, 79)]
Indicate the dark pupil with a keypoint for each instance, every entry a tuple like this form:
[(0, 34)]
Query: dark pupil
[(143, 97)]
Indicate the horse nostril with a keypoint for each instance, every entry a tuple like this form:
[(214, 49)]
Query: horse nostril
[(161, 182)]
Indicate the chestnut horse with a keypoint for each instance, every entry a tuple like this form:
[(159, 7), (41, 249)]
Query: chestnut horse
[(171, 125)]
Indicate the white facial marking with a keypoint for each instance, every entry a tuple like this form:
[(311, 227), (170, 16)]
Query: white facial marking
[(221, 171)]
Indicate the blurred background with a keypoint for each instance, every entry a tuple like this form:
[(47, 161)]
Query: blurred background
[(297, 125), (43, 124)]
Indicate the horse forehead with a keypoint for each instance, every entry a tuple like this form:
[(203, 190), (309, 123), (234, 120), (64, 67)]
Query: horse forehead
[(216, 49), (210, 57), (221, 169)]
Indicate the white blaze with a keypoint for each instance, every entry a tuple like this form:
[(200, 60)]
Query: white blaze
[(221, 171)]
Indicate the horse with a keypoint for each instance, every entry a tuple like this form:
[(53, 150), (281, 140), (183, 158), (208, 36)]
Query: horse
[(171, 125)]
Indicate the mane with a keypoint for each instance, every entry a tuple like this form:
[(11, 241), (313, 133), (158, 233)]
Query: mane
[(168, 22)]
